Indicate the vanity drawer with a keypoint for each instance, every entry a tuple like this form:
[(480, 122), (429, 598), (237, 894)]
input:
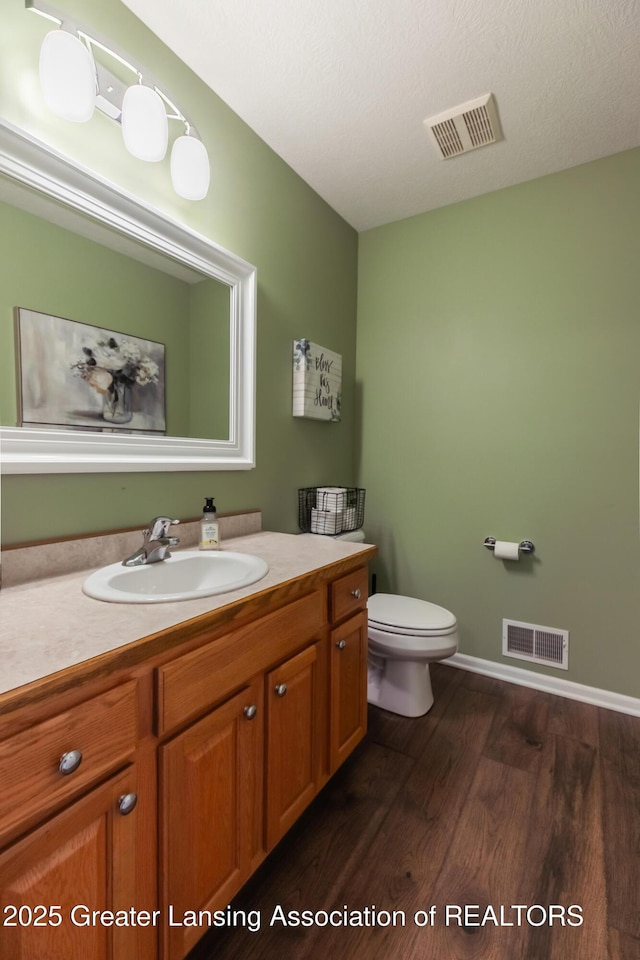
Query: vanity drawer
[(103, 729), (349, 594), (190, 684)]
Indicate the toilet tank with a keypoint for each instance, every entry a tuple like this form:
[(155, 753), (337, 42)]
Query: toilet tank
[(355, 536)]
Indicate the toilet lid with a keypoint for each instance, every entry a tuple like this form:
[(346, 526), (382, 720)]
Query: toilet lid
[(393, 612)]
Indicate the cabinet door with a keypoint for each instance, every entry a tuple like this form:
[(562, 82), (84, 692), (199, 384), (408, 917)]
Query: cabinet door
[(292, 703), (211, 815), (348, 710), (83, 860)]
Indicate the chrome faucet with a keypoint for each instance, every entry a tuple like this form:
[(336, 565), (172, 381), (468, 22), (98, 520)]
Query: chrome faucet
[(156, 543)]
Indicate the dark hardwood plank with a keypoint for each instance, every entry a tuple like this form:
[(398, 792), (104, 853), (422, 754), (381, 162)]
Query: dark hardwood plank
[(482, 684), (307, 867), (519, 729), (407, 855), (622, 947), (620, 759), (566, 850), (570, 718), (486, 867)]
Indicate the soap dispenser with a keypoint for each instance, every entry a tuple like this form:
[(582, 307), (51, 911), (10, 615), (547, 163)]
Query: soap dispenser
[(209, 533)]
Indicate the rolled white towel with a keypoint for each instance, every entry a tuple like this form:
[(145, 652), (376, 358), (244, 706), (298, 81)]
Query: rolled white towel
[(333, 499), (349, 520), (325, 521)]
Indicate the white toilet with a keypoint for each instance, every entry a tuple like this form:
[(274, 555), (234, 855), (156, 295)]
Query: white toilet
[(405, 636)]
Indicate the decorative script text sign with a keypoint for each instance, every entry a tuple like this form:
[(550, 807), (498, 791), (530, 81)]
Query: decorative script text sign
[(317, 381)]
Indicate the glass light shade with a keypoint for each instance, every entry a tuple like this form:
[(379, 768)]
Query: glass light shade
[(145, 128), (67, 76), (190, 171)]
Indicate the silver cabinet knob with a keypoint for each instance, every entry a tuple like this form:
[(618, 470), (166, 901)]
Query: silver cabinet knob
[(126, 803), (69, 762), (250, 711), (341, 644), (281, 689), (356, 593)]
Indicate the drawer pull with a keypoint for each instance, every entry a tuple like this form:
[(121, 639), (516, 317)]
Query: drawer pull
[(281, 689), (250, 712), (127, 803), (341, 644), (356, 593), (69, 762)]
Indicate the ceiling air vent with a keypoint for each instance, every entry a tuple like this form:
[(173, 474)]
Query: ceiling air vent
[(527, 641), (464, 128)]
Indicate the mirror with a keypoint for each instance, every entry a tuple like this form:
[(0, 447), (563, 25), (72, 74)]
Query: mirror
[(208, 379)]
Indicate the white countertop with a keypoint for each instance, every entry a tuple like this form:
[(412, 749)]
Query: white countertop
[(50, 625)]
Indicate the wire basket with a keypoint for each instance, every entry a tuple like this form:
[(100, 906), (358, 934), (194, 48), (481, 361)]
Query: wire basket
[(330, 510)]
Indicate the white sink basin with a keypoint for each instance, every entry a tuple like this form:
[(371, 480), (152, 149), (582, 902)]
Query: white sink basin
[(185, 575)]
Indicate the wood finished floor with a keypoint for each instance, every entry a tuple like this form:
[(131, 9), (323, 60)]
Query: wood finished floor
[(500, 795)]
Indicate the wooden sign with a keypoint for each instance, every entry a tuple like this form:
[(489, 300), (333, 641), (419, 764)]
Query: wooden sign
[(317, 381)]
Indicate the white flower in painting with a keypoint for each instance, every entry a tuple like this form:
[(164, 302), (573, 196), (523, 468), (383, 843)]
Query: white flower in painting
[(111, 362), (147, 372)]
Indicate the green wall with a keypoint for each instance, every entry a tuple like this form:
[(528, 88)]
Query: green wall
[(209, 344), (51, 270), (499, 369), (306, 257)]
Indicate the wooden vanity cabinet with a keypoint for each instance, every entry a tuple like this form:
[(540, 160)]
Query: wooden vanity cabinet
[(65, 754), (225, 735), (293, 741), (348, 682), (235, 780), (78, 824), (211, 812), (348, 711), (86, 858)]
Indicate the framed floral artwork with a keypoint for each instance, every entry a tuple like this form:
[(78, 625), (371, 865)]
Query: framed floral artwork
[(76, 376)]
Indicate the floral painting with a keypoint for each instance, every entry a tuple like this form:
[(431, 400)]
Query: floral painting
[(81, 377)]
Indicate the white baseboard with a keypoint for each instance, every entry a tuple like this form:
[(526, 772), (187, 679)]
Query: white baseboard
[(540, 681)]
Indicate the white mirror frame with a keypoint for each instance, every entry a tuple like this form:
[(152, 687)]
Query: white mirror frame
[(24, 450)]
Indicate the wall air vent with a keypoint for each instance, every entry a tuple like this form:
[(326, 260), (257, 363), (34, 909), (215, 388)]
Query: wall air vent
[(526, 641), (466, 127)]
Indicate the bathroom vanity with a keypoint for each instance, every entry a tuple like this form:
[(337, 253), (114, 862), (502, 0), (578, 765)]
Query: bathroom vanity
[(146, 778)]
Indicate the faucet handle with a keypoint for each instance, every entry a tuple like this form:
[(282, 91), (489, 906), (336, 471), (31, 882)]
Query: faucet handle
[(159, 527)]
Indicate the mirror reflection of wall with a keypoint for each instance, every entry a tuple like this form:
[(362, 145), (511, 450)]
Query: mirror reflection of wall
[(50, 269)]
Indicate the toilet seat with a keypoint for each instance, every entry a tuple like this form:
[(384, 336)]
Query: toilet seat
[(436, 646), (409, 617)]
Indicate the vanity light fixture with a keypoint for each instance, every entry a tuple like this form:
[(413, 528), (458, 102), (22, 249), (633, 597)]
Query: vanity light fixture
[(145, 128), (74, 82), (68, 76)]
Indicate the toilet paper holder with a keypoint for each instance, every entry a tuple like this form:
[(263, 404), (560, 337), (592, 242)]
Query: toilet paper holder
[(525, 546)]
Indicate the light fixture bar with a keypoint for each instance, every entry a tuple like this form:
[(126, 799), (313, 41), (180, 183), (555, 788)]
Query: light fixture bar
[(110, 94), (109, 101), (74, 82), (48, 16)]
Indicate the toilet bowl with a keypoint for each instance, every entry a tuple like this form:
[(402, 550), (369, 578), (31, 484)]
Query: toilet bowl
[(405, 636)]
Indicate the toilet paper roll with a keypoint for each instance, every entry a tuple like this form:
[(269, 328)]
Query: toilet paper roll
[(506, 550)]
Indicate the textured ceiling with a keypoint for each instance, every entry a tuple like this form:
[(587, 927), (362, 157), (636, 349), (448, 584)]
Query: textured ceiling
[(339, 88)]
